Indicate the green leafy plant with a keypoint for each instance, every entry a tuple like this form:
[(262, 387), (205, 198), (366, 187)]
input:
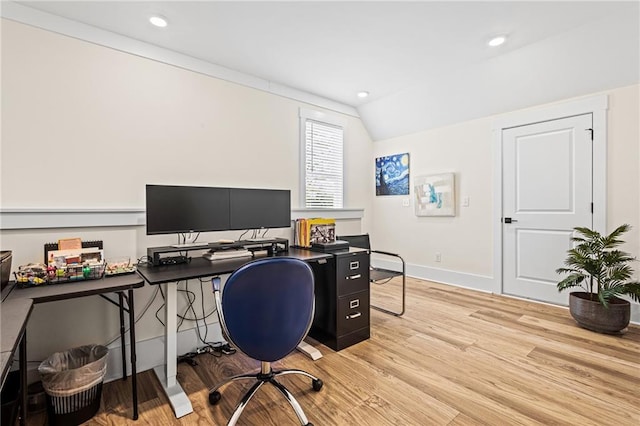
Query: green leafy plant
[(595, 263)]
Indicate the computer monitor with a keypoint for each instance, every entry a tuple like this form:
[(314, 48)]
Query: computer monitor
[(260, 208), (175, 209)]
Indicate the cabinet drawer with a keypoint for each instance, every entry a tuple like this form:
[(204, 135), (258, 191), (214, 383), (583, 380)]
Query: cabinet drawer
[(352, 284), (352, 273), (352, 263), (353, 312)]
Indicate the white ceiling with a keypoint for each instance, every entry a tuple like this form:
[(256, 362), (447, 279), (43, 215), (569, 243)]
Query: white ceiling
[(425, 63)]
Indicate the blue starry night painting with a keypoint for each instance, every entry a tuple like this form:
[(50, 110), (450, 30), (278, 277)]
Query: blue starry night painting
[(392, 175)]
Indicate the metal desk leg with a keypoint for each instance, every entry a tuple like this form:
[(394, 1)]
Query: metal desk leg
[(122, 330), (23, 379), (132, 337), (309, 350), (167, 373)]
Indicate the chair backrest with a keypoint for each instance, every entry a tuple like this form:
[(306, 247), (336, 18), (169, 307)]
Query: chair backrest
[(267, 307), (360, 241)]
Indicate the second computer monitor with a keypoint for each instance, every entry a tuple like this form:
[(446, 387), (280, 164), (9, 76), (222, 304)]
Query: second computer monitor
[(259, 208)]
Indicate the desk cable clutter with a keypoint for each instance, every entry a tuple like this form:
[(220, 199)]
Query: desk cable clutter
[(217, 350)]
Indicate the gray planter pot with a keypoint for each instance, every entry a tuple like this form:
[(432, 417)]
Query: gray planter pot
[(590, 314)]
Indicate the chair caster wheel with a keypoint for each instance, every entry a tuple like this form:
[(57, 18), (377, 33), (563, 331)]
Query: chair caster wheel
[(317, 385), (309, 424), (214, 397)]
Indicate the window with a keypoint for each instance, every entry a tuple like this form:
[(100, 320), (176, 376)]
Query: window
[(322, 160)]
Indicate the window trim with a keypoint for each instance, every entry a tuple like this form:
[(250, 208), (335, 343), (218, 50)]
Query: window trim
[(322, 117)]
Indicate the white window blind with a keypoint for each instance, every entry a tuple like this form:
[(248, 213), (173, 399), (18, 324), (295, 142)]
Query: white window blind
[(323, 165)]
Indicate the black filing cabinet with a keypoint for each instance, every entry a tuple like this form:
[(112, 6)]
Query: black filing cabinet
[(342, 299)]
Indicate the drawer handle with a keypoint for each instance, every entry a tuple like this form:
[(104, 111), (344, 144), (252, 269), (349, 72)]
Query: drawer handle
[(356, 315), (354, 277), (354, 303), (354, 265)]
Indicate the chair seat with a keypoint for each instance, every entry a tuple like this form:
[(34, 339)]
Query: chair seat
[(379, 274)]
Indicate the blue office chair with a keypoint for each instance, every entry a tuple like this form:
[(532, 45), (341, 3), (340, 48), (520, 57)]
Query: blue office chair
[(266, 309)]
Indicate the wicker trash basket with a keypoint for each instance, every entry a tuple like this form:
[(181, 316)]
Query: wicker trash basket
[(72, 382)]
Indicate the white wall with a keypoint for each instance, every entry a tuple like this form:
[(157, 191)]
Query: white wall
[(461, 239), (86, 127), (465, 241), (597, 55)]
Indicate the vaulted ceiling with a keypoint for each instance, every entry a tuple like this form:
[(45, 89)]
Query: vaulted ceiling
[(425, 64)]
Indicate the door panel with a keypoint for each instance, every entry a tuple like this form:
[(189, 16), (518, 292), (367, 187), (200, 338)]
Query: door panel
[(536, 251), (547, 191), (544, 178)]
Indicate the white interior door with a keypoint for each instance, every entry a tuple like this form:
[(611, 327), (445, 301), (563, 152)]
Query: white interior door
[(547, 191)]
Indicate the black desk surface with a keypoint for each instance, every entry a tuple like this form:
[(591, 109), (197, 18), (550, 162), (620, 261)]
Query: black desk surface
[(71, 290), (6, 359), (17, 305), (14, 316), (13, 320), (200, 267)]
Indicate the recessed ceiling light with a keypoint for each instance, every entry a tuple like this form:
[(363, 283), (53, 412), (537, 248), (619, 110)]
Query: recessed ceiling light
[(363, 94), (497, 41), (158, 21)]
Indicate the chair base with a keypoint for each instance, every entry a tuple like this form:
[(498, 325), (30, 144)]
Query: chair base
[(386, 311), (261, 378)]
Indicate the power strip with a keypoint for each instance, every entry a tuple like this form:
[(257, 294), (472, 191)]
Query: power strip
[(216, 350), (174, 260)]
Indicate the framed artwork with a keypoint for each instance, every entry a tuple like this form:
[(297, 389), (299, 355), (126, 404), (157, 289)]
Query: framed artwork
[(435, 195), (392, 175)]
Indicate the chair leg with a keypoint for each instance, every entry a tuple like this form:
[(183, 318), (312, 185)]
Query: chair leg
[(294, 371), (397, 314), (243, 402), (232, 379), (266, 374), (316, 383), (292, 401)]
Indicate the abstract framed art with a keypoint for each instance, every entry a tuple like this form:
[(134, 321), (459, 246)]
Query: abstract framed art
[(392, 175), (435, 195)]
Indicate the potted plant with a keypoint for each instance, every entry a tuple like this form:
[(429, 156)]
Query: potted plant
[(603, 272)]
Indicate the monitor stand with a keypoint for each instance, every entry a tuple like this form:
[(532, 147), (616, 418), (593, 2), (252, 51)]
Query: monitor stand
[(190, 245)]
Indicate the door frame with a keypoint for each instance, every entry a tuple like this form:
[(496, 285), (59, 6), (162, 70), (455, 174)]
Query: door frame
[(595, 105)]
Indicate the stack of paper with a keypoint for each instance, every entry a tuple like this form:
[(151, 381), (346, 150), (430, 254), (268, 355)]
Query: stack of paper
[(227, 254)]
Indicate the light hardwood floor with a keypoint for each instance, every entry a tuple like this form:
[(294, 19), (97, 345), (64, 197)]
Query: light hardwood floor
[(457, 357)]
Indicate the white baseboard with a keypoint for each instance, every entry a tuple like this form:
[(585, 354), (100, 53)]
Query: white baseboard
[(465, 280), (635, 313), (444, 276), (150, 352)]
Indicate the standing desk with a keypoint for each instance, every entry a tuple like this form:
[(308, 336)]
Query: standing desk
[(199, 267), (72, 290)]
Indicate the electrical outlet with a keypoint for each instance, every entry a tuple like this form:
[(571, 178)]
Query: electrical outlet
[(438, 256), (405, 202), (465, 201)]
